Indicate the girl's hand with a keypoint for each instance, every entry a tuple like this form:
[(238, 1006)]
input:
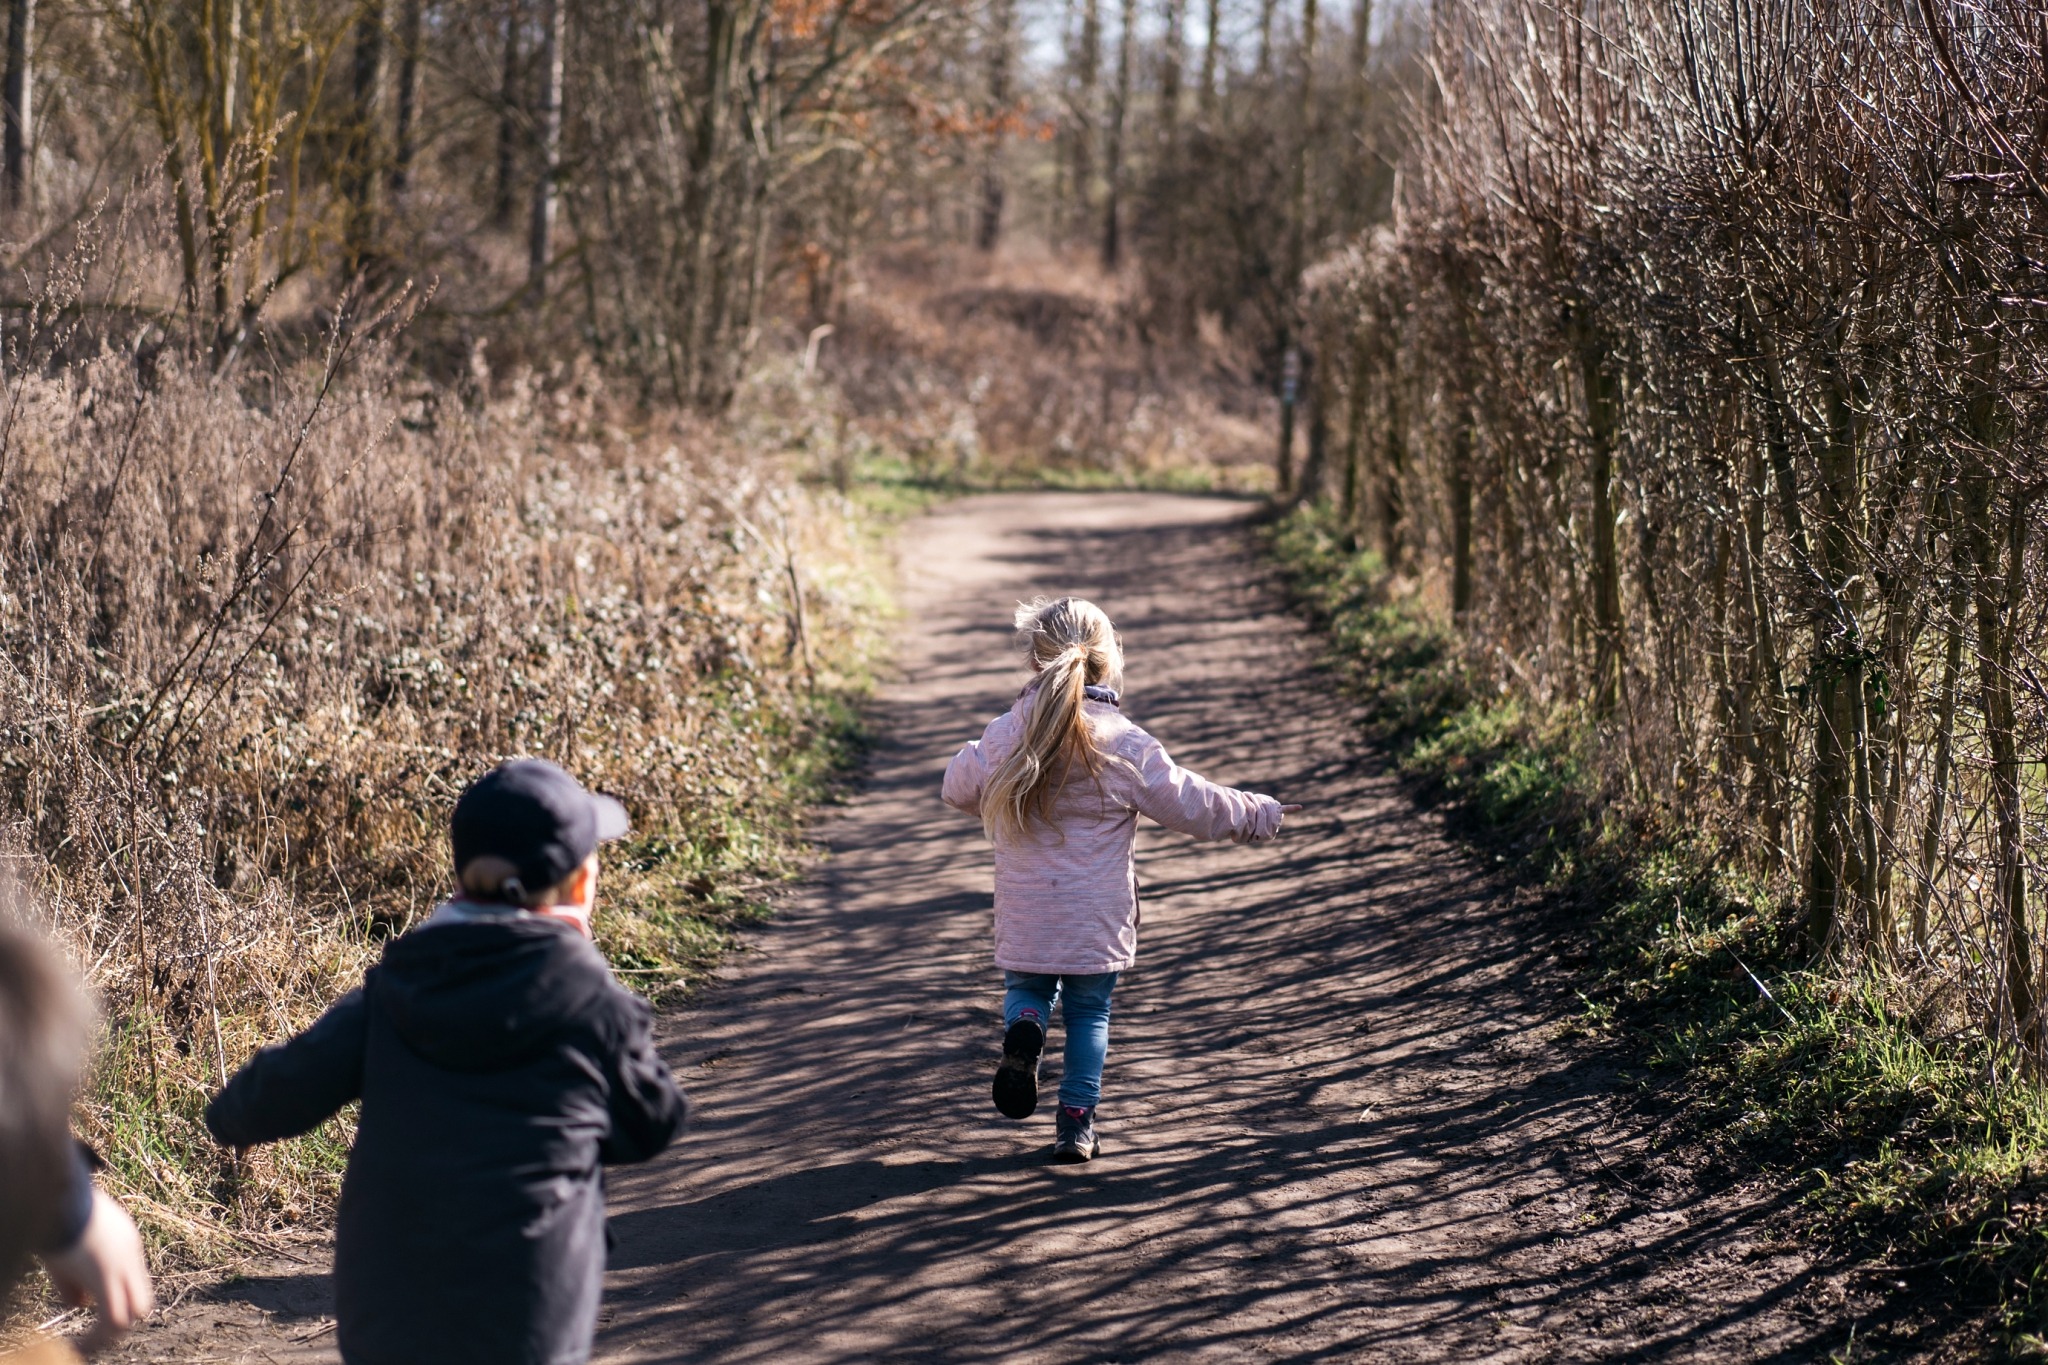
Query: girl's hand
[(1289, 810)]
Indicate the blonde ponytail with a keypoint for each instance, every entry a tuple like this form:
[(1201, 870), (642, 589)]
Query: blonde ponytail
[(1070, 644)]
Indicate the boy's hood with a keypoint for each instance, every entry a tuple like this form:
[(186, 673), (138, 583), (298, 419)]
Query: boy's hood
[(488, 994)]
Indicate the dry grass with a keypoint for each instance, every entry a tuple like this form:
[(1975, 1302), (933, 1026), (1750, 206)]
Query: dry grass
[(1031, 364), (256, 633)]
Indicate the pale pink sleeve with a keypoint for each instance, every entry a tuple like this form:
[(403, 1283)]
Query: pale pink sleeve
[(1187, 801), (969, 770), (964, 776)]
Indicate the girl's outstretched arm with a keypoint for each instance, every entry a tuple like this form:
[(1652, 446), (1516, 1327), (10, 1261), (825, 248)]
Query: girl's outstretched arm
[(964, 778), (968, 773), (1187, 801)]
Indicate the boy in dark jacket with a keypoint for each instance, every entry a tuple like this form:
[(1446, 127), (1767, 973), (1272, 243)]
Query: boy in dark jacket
[(500, 1066)]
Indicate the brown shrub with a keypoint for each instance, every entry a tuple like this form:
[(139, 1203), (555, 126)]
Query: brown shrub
[(255, 635), (1033, 363)]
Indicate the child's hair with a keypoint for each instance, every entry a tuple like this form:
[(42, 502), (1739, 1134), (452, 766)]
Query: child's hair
[(1071, 644), (492, 880), (44, 1031)]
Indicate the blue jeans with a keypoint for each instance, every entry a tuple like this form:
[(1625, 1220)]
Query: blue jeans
[(1084, 1009)]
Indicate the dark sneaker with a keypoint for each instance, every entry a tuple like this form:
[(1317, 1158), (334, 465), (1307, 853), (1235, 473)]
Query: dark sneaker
[(1016, 1087), (1074, 1135)]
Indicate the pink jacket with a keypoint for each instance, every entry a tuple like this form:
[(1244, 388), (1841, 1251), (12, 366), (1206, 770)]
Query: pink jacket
[(1067, 895)]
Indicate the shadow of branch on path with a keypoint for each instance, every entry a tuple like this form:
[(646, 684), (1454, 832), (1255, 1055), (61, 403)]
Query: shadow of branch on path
[(1339, 1121)]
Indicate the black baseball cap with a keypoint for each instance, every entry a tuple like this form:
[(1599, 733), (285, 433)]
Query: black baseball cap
[(534, 816)]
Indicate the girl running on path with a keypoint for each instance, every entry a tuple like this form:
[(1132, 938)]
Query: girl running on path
[(1059, 781)]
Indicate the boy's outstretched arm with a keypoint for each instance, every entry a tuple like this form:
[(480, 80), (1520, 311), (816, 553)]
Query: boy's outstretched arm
[(648, 1109), (289, 1088)]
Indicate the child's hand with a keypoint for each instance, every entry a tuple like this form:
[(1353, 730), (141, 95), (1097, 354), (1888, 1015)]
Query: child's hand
[(105, 1268), (1289, 810)]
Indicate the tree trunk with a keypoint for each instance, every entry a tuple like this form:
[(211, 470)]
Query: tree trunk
[(156, 74), (1840, 875), (1461, 513), (1354, 430), (1603, 420), (1304, 147), (1290, 394), (1297, 228), (1119, 111), (1001, 17), (406, 134), (1315, 464), (1997, 575), (19, 96), (707, 159), (1391, 511), (229, 62), (540, 236), (1087, 72), (1212, 43), (1266, 8), (1357, 189), (359, 175), (1943, 763), (762, 159), (509, 116), (1762, 701), (1170, 57), (1732, 733)]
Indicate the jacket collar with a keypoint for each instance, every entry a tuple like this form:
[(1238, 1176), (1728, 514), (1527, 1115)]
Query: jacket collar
[(1108, 696)]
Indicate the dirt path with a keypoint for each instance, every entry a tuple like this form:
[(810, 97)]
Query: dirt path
[(1337, 1123)]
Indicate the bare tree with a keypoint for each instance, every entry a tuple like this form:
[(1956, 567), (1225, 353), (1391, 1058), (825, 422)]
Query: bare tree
[(1212, 46), (406, 133), (1119, 113), (365, 146), (18, 95), (1086, 64), (1297, 228), (511, 116), (1172, 53), (1001, 22), (548, 138)]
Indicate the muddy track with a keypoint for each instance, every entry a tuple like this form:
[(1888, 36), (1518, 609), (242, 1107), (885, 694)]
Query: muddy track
[(1339, 1121)]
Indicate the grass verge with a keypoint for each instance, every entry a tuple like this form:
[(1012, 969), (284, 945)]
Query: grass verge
[(892, 477), (1917, 1153)]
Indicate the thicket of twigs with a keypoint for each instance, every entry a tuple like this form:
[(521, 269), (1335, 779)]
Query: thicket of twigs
[(1700, 375)]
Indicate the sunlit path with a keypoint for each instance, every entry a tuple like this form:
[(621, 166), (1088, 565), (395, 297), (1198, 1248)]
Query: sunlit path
[(1335, 1125)]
